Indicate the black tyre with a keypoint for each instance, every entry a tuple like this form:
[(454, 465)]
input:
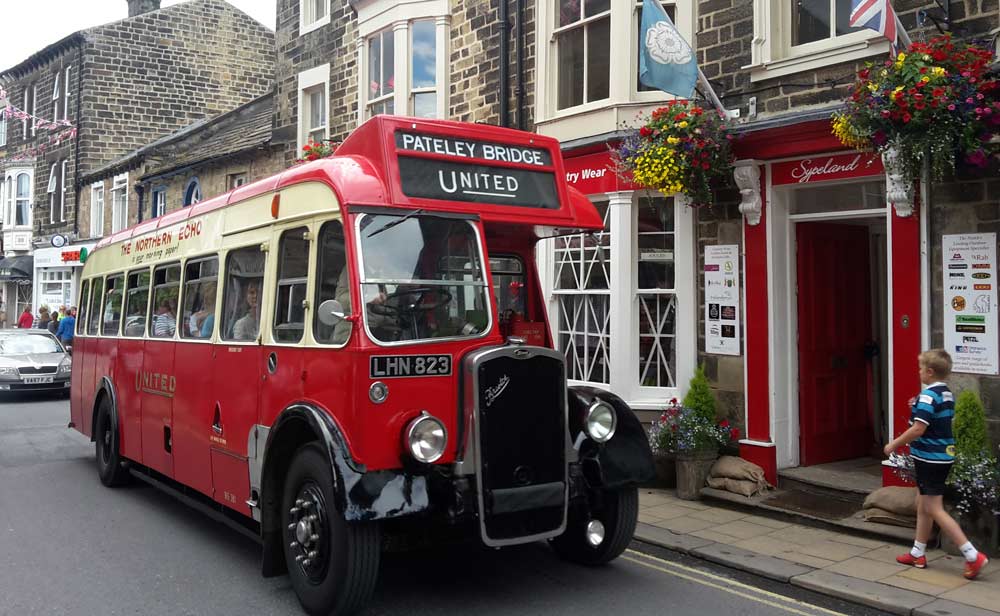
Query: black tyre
[(110, 467), (618, 511), (333, 564)]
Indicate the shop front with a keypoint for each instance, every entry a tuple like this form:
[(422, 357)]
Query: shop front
[(834, 281), (15, 284), (57, 275)]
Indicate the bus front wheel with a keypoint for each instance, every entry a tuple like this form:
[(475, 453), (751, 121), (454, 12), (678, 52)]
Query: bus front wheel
[(617, 512), (333, 564), (106, 444)]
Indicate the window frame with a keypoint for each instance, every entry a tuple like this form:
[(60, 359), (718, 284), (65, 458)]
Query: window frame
[(34, 109), (83, 310), (309, 22), (159, 198), (62, 193), (315, 266), (236, 180), (223, 317), (153, 288), (309, 80), (19, 200), (3, 131), (96, 297), (584, 23), (127, 296), (97, 209), (291, 282), (192, 192), (56, 94), (182, 315), (67, 75), (119, 208), (103, 326)]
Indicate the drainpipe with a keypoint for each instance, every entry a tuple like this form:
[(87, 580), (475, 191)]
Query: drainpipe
[(519, 52), (504, 63), (140, 192)]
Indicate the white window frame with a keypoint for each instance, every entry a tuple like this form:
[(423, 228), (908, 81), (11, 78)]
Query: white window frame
[(772, 54), (376, 16), (55, 96), (119, 202), (27, 100), (52, 189), (308, 80), (235, 180), (15, 202), (3, 131), (62, 193), (194, 187), (97, 209), (159, 202), (307, 20), (34, 109), (605, 115), (66, 92)]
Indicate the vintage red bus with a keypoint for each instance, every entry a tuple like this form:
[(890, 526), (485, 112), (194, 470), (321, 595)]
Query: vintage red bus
[(357, 341)]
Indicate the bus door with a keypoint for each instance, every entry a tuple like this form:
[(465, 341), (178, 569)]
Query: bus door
[(237, 372), (194, 357), (159, 380)]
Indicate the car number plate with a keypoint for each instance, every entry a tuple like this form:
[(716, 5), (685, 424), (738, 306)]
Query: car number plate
[(395, 366), (35, 380)]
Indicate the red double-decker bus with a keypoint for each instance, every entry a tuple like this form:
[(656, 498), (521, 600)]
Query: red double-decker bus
[(360, 340)]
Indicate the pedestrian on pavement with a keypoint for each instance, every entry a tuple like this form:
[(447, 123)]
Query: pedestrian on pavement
[(66, 326), (25, 321), (54, 320), (43, 318), (932, 447)]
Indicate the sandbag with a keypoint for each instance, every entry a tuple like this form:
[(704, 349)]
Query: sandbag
[(731, 467), (743, 487), (881, 516), (894, 499)]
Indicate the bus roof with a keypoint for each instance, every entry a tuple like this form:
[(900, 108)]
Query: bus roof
[(503, 175)]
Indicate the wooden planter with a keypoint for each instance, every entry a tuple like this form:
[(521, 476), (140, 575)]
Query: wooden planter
[(666, 470), (693, 469)]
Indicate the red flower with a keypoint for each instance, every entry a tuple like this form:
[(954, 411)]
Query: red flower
[(724, 423), (735, 433), (907, 117), (645, 131)]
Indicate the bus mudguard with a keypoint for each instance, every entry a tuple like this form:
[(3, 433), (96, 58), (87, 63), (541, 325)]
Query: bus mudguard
[(105, 388), (626, 459)]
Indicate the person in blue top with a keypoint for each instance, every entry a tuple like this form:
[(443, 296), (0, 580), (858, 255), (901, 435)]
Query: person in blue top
[(932, 447), (66, 326)]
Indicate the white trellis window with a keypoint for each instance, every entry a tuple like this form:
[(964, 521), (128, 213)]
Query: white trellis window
[(582, 289), (656, 291)]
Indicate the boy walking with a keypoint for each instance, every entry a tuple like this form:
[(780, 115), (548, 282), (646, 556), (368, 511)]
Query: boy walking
[(932, 447)]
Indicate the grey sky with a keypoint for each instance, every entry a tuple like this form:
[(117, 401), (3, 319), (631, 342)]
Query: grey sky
[(27, 30)]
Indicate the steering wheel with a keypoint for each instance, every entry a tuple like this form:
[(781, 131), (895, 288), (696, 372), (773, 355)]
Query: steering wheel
[(388, 309)]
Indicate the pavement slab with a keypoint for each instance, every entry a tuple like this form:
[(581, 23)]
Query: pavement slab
[(685, 524), (831, 550), (667, 511), (920, 585), (718, 516), (668, 539), (741, 529), (866, 569), (882, 596), (889, 553), (943, 607), (745, 560), (769, 522), (979, 593)]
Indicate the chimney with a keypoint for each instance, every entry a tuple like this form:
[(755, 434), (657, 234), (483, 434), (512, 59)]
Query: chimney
[(138, 7)]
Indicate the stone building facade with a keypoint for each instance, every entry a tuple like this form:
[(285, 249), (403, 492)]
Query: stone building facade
[(118, 86)]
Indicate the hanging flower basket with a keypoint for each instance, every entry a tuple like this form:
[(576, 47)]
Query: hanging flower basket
[(936, 101), (682, 149), (314, 150)]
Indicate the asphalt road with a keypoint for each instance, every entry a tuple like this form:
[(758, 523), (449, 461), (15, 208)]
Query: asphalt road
[(70, 546)]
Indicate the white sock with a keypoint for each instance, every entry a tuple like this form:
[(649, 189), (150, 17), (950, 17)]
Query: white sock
[(918, 549), (970, 553)]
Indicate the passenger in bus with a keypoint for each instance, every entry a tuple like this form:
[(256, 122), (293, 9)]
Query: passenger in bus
[(165, 320), (248, 326), (200, 323)]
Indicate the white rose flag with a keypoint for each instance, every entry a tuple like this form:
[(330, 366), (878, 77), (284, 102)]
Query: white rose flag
[(666, 61)]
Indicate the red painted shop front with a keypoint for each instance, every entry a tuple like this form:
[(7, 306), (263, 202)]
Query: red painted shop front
[(832, 301)]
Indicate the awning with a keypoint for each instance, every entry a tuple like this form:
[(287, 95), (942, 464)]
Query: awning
[(16, 268)]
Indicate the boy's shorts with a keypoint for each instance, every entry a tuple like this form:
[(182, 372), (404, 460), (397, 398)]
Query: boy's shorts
[(931, 477)]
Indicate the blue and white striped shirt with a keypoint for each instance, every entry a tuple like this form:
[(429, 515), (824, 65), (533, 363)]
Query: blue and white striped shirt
[(935, 406)]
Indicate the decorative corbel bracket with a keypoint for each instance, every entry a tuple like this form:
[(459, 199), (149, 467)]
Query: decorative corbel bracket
[(898, 185), (747, 176)]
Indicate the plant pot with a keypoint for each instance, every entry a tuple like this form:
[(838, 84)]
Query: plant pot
[(693, 469), (980, 525), (666, 470)]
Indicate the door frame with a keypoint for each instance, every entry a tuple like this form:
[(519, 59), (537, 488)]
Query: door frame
[(783, 307)]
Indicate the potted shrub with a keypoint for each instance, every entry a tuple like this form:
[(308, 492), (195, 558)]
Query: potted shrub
[(974, 498)]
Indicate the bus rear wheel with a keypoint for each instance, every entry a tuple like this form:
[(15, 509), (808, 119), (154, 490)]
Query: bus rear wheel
[(110, 466), (617, 514), (333, 564)]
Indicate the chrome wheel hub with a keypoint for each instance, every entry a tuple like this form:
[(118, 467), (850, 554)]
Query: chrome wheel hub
[(307, 531)]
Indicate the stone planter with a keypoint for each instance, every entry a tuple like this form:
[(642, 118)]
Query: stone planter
[(693, 469), (982, 528), (666, 470)]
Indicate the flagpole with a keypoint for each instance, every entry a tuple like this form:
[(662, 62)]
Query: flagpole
[(903, 35), (709, 92)]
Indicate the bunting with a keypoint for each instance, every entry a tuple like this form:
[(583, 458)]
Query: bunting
[(62, 130)]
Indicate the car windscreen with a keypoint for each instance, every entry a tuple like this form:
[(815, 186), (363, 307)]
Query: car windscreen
[(28, 344)]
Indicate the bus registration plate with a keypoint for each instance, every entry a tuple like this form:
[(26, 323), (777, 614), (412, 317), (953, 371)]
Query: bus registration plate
[(394, 366)]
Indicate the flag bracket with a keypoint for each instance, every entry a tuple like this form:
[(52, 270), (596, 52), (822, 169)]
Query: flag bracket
[(944, 10)]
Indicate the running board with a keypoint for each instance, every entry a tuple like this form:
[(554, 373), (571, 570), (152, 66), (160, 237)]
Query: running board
[(194, 502)]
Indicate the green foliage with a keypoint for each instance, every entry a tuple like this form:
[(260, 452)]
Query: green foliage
[(969, 426), (699, 397)]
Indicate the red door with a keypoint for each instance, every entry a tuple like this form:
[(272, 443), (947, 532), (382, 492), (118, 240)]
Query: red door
[(834, 306)]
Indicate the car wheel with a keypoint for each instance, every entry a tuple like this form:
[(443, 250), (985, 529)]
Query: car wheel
[(333, 564), (110, 467), (618, 512)]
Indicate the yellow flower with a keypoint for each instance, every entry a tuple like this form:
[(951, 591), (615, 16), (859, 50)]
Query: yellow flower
[(901, 57), (925, 79), (683, 124), (872, 86), (897, 89), (939, 71)]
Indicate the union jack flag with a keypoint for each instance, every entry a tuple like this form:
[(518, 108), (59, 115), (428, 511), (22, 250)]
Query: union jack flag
[(876, 15)]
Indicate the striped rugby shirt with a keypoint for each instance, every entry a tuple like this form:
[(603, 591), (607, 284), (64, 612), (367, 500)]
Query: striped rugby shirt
[(935, 406)]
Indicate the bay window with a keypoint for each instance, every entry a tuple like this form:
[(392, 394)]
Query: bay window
[(583, 43), (403, 54)]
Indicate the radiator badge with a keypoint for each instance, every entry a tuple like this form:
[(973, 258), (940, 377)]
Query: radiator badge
[(492, 393)]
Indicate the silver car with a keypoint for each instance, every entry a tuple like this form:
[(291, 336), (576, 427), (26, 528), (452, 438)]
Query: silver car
[(32, 360)]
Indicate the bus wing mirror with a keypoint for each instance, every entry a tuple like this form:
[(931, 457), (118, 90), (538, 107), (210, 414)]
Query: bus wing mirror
[(331, 312)]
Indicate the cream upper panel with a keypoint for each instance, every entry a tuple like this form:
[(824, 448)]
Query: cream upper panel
[(204, 233)]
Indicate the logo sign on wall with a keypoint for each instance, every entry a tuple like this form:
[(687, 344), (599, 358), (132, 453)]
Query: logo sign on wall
[(970, 302), (722, 299)]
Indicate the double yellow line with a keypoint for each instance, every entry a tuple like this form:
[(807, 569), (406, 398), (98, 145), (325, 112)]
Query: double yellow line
[(758, 595)]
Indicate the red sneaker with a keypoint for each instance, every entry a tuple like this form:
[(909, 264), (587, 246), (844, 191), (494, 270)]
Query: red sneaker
[(920, 562), (972, 569)]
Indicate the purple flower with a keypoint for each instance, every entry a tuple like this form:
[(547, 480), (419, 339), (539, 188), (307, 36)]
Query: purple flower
[(977, 159), (879, 138)]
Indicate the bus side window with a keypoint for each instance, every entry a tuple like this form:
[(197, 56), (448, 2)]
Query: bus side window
[(136, 304), (332, 282), (84, 303), (293, 268), (113, 305), (166, 287), (94, 323), (200, 281), (241, 299)]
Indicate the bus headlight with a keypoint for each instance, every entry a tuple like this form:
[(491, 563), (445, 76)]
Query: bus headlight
[(601, 421), (426, 438)]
